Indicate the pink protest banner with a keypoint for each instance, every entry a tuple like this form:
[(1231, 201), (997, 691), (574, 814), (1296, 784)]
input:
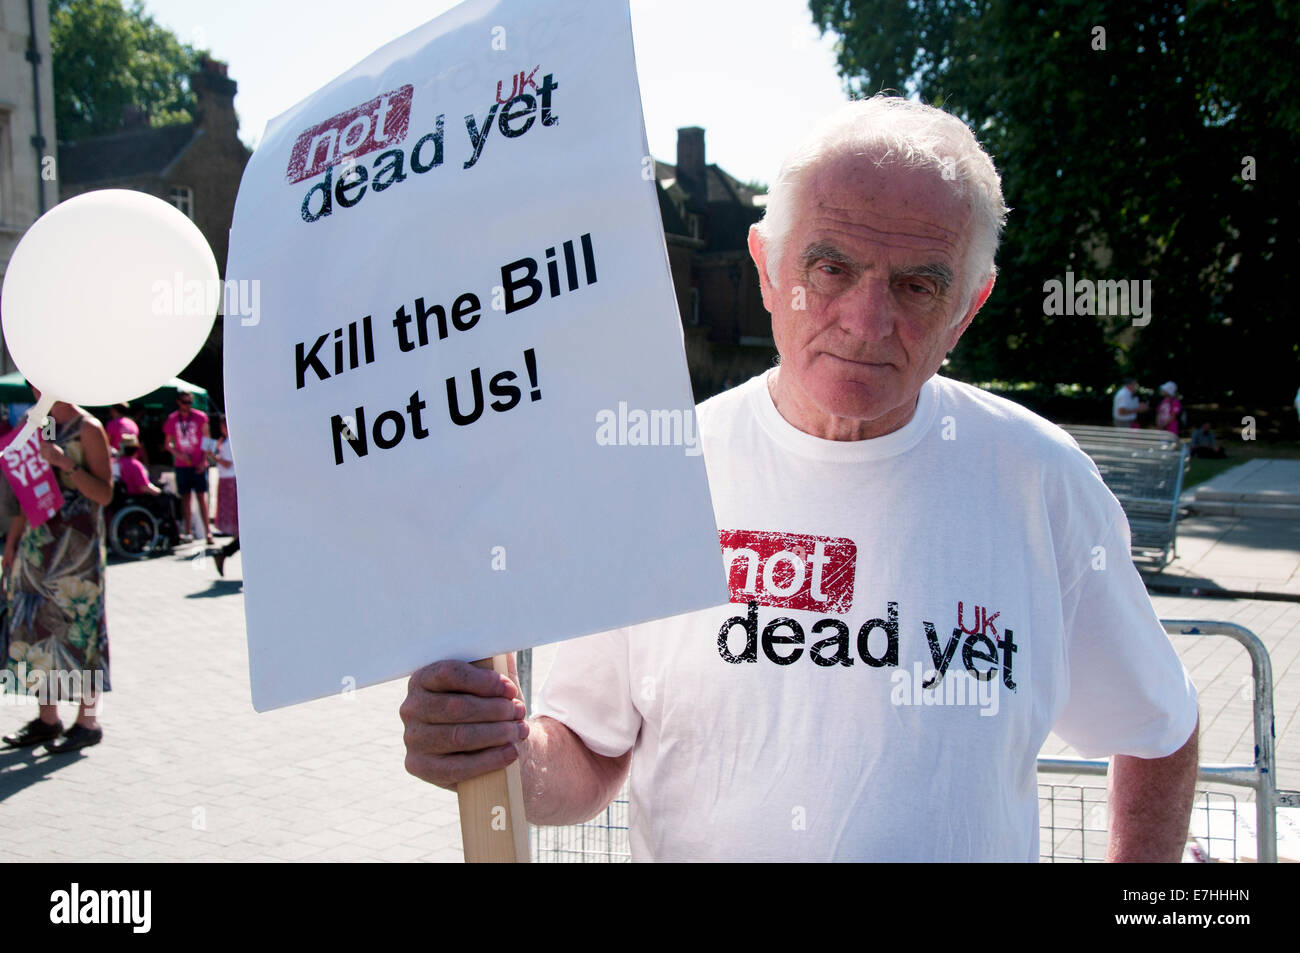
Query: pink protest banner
[(31, 477)]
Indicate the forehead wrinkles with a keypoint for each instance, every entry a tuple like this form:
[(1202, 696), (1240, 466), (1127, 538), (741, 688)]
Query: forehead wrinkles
[(854, 197), (867, 224), (856, 233)]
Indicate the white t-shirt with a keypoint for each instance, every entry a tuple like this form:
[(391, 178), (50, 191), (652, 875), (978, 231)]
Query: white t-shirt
[(225, 456), (979, 529), (1125, 399)]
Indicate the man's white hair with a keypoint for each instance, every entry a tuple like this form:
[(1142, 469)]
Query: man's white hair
[(898, 133)]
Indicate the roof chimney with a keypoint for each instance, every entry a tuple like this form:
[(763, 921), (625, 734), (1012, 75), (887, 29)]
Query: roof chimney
[(690, 160), (214, 94)]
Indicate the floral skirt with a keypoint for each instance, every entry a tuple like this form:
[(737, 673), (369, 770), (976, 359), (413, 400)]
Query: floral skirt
[(227, 507), (55, 629)]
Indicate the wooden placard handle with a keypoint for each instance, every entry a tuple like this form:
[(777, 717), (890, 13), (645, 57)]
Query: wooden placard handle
[(493, 829)]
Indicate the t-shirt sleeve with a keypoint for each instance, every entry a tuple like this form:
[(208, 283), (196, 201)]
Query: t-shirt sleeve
[(588, 689), (1128, 690)]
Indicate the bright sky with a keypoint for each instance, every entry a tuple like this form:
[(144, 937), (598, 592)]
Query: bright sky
[(753, 73)]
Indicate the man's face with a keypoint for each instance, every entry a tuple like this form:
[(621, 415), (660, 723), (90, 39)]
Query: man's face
[(878, 254), (184, 402)]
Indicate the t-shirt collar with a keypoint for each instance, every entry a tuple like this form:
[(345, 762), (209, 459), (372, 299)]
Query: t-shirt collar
[(843, 451)]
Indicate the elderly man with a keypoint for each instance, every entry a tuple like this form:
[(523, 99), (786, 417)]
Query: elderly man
[(925, 579)]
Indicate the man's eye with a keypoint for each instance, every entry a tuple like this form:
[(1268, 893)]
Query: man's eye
[(916, 287), (831, 269)]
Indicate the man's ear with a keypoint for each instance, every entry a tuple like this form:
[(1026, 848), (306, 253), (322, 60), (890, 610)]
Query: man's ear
[(758, 251), (976, 303)]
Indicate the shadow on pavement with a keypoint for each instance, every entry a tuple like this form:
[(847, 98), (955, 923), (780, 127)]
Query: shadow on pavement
[(219, 587), (23, 767), (115, 560)]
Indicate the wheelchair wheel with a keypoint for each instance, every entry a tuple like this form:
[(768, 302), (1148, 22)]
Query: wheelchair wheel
[(133, 533)]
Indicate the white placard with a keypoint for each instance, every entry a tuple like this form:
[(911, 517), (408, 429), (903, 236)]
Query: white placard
[(460, 407)]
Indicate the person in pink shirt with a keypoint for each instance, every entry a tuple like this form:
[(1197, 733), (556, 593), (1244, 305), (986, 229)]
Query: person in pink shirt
[(184, 431), (118, 424), (136, 482), (134, 475), (1169, 415)]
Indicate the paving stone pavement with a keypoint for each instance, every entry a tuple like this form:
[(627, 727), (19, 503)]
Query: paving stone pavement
[(188, 771), (1242, 554), (1250, 543), (1221, 671)]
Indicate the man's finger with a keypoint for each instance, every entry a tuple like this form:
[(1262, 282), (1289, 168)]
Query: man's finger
[(450, 675), (438, 708), (462, 738), (446, 770)]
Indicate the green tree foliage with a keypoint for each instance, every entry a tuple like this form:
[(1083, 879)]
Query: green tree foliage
[(1131, 161), (107, 58)]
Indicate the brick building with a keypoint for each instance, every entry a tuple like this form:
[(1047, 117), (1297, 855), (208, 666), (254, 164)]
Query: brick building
[(706, 215), (27, 168), (195, 166)]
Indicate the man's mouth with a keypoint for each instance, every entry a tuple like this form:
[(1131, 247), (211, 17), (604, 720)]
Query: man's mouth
[(859, 362)]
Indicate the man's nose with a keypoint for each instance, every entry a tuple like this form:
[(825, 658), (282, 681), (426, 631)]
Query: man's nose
[(867, 310)]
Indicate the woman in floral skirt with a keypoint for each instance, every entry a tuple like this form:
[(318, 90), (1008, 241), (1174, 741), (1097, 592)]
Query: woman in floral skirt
[(57, 633)]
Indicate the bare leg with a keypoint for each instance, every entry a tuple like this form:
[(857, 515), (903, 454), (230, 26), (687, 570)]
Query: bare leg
[(49, 714), (203, 511), (87, 714), (185, 513)]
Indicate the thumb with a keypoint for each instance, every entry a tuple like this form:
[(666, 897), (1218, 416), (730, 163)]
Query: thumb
[(513, 671)]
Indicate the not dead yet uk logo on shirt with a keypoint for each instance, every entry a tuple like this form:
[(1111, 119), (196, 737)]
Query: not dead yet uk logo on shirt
[(797, 571), (189, 438)]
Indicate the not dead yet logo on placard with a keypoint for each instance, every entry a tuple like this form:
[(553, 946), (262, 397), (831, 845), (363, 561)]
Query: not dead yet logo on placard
[(384, 122), (380, 123)]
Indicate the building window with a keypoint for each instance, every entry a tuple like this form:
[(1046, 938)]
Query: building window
[(183, 198)]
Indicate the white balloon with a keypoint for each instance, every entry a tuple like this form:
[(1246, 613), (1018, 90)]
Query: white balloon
[(108, 296)]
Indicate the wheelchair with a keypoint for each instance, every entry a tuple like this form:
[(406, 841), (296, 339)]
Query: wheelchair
[(140, 526)]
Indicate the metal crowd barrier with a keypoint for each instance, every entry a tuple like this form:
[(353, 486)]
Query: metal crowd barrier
[(604, 838), (1145, 470), (1122, 436), (1259, 776)]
